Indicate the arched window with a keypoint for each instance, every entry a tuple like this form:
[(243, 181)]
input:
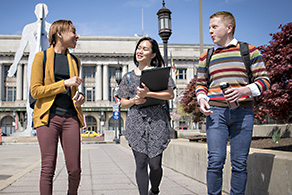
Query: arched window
[(91, 123), (7, 125)]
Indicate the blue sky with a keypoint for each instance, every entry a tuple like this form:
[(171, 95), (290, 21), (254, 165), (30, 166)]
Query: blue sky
[(256, 19)]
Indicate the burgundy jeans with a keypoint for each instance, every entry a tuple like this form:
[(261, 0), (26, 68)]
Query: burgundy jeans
[(67, 128)]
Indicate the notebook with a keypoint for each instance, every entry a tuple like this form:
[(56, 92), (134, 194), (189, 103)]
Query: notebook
[(156, 79)]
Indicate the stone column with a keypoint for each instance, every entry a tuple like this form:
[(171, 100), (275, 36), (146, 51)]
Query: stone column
[(81, 87), (105, 82), (19, 81), (25, 89), (98, 83), (1, 81), (125, 69), (190, 73)]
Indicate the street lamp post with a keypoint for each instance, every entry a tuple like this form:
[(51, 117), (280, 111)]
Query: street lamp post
[(164, 21), (101, 120), (164, 25), (118, 76)]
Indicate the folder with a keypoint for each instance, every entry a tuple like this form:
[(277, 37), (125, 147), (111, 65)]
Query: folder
[(156, 79)]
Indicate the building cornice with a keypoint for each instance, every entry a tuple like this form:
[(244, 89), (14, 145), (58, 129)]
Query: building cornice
[(12, 54), (104, 55), (108, 38), (10, 36), (116, 38)]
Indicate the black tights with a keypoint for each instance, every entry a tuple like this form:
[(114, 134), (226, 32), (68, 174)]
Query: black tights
[(142, 177)]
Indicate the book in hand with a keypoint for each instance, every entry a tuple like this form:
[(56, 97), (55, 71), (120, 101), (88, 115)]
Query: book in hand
[(156, 79)]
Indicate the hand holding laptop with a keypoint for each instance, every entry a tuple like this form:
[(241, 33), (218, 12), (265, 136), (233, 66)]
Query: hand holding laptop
[(142, 92), (155, 80)]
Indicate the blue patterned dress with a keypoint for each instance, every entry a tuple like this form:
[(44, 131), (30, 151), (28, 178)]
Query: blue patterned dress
[(147, 129)]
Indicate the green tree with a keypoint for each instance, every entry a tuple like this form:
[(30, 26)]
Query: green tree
[(277, 55)]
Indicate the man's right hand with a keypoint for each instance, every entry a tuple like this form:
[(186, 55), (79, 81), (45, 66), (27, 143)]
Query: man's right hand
[(73, 81), (205, 107)]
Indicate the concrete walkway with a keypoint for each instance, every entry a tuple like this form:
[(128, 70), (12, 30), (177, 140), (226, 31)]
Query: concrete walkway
[(107, 169)]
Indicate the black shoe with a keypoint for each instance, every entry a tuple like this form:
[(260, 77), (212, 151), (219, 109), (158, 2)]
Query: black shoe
[(152, 193)]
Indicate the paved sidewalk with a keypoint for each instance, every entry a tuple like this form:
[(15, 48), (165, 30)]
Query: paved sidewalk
[(107, 169)]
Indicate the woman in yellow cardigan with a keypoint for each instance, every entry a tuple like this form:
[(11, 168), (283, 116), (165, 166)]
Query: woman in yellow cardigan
[(57, 113)]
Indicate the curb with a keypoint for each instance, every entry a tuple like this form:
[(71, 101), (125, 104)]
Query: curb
[(13, 178)]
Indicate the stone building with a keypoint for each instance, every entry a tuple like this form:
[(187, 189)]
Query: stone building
[(99, 56)]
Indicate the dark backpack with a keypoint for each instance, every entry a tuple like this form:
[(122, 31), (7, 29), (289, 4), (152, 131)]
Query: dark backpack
[(32, 101), (244, 51), (165, 106)]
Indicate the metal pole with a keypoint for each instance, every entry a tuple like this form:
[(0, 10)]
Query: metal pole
[(100, 125), (165, 52), (115, 131), (201, 27), (120, 123), (101, 131)]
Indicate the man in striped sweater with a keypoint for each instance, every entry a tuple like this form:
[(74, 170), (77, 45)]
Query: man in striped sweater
[(223, 123)]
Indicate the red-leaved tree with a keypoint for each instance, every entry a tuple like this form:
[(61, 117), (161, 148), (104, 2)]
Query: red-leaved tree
[(277, 55), (189, 101)]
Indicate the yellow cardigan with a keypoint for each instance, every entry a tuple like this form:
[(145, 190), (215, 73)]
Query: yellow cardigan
[(45, 90)]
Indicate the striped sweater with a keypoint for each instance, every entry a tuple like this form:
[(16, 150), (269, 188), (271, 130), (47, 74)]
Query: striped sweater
[(226, 65)]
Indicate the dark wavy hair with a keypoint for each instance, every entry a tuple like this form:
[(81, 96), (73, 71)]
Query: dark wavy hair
[(157, 61)]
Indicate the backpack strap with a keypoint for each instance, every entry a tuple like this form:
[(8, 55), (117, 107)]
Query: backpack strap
[(32, 101), (166, 108), (245, 55), (208, 59), (128, 77), (76, 61), (244, 51)]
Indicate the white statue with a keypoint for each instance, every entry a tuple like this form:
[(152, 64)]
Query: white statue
[(36, 36)]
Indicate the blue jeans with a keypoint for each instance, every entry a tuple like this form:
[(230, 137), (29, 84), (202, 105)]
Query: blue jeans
[(235, 125)]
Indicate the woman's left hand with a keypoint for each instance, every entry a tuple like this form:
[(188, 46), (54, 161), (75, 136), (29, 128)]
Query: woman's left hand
[(79, 100), (142, 92)]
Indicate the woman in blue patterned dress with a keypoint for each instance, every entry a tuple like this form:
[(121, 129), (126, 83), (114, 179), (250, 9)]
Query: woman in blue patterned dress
[(147, 129)]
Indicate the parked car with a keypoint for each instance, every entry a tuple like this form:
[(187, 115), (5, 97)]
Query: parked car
[(101, 135), (181, 128), (89, 134)]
